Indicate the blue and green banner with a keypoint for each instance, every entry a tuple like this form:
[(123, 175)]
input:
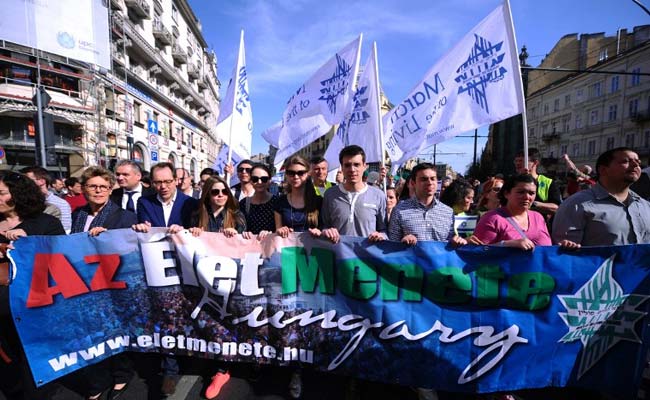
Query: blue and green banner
[(476, 319)]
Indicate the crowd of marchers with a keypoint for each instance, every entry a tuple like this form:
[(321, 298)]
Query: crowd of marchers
[(606, 205)]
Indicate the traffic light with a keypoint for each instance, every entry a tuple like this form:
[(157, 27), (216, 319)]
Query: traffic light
[(48, 130)]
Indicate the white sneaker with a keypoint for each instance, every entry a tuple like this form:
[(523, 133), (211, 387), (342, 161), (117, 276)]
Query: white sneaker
[(295, 385), (426, 394)]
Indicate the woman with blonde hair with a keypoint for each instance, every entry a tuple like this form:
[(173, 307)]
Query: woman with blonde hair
[(298, 210), (489, 199)]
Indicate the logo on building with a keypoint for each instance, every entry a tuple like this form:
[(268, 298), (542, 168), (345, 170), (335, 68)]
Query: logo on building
[(337, 84), (66, 40), (483, 67), (600, 315)]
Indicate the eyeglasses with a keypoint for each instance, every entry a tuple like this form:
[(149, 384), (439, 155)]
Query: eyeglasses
[(166, 182), (262, 179), (293, 173), (217, 192), (243, 170), (101, 188)]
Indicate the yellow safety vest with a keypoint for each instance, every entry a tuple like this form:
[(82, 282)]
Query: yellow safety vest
[(543, 186), (328, 185)]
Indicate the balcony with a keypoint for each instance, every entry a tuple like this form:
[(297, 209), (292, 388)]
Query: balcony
[(641, 117), (202, 83), (139, 7), (157, 6), (192, 71), (118, 54), (547, 137), (162, 35), (117, 5), (179, 56)]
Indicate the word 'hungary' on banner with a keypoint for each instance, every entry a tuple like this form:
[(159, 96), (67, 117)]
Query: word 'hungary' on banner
[(477, 319), (476, 83)]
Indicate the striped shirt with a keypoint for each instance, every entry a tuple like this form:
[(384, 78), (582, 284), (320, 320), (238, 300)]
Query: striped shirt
[(66, 213), (410, 217)]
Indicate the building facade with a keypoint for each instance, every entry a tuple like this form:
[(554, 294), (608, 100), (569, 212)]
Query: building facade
[(584, 114), (158, 102)]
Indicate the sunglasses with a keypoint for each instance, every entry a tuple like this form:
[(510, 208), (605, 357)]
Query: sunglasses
[(262, 179), (217, 192), (244, 170), (293, 173)]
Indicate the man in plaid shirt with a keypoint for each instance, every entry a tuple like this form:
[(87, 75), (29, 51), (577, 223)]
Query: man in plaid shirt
[(423, 217)]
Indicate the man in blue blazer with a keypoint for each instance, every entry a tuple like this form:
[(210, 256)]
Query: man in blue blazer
[(168, 206)]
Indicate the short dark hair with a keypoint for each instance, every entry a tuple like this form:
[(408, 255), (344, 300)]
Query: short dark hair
[(422, 167), (208, 171), (351, 151), (27, 199), (134, 165), (39, 173), (533, 154), (246, 161), (70, 182), (455, 193), (511, 182), (262, 167), (606, 158), (317, 160), (163, 165)]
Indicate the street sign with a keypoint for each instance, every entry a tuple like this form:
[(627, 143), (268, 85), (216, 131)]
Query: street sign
[(154, 155), (152, 126), (153, 140)]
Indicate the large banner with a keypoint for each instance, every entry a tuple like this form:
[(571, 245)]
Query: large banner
[(477, 319), (476, 83), (70, 28)]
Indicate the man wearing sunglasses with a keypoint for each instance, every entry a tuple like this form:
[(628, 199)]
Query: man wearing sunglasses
[(245, 187)]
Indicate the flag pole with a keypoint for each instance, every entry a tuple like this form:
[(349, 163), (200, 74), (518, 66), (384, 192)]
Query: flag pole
[(378, 105), (234, 100), (511, 30)]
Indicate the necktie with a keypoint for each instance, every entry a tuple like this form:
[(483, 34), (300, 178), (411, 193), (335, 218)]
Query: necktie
[(129, 203)]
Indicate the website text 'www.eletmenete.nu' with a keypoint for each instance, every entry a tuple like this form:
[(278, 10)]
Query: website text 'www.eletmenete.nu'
[(168, 342)]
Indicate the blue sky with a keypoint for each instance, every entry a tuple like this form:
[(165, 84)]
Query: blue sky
[(287, 40)]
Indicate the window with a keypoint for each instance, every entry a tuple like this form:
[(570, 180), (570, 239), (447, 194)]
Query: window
[(629, 140), (554, 128), (533, 112), (578, 121), (610, 143), (602, 55), (545, 109), (579, 93), (137, 109), (567, 100), (567, 124), (615, 82), (591, 147), (593, 117), (532, 132), (563, 148), (556, 105), (636, 78), (595, 90), (575, 150), (174, 13), (612, 112), (634, 108), (544, 129)]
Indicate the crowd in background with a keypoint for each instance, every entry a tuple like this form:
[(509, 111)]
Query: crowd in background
[(605, 205)]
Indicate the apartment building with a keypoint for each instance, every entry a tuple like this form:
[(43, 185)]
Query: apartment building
[(159, 101)]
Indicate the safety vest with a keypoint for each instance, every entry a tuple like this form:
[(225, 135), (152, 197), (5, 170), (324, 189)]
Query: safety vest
[(318, 190), (543, 186)]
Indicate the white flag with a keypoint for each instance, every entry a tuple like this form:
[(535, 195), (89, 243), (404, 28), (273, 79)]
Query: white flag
[(361, 125), (320, 102), (476, 83), (235, 123)]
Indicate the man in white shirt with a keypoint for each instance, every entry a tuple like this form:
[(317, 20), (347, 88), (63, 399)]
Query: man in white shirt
[(129, 175)]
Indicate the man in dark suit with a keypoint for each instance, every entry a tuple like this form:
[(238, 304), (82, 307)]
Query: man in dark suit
[(169, 206), (129, 176)]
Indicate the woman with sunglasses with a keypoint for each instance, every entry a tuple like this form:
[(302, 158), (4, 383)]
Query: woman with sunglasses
[(258, 209), (99, 215), (298, 209), (218, 210), (21, 214), (489, 199)]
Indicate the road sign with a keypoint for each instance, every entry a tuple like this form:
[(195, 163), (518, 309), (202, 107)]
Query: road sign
[(154, 155), (152, 126), (153, 140)]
